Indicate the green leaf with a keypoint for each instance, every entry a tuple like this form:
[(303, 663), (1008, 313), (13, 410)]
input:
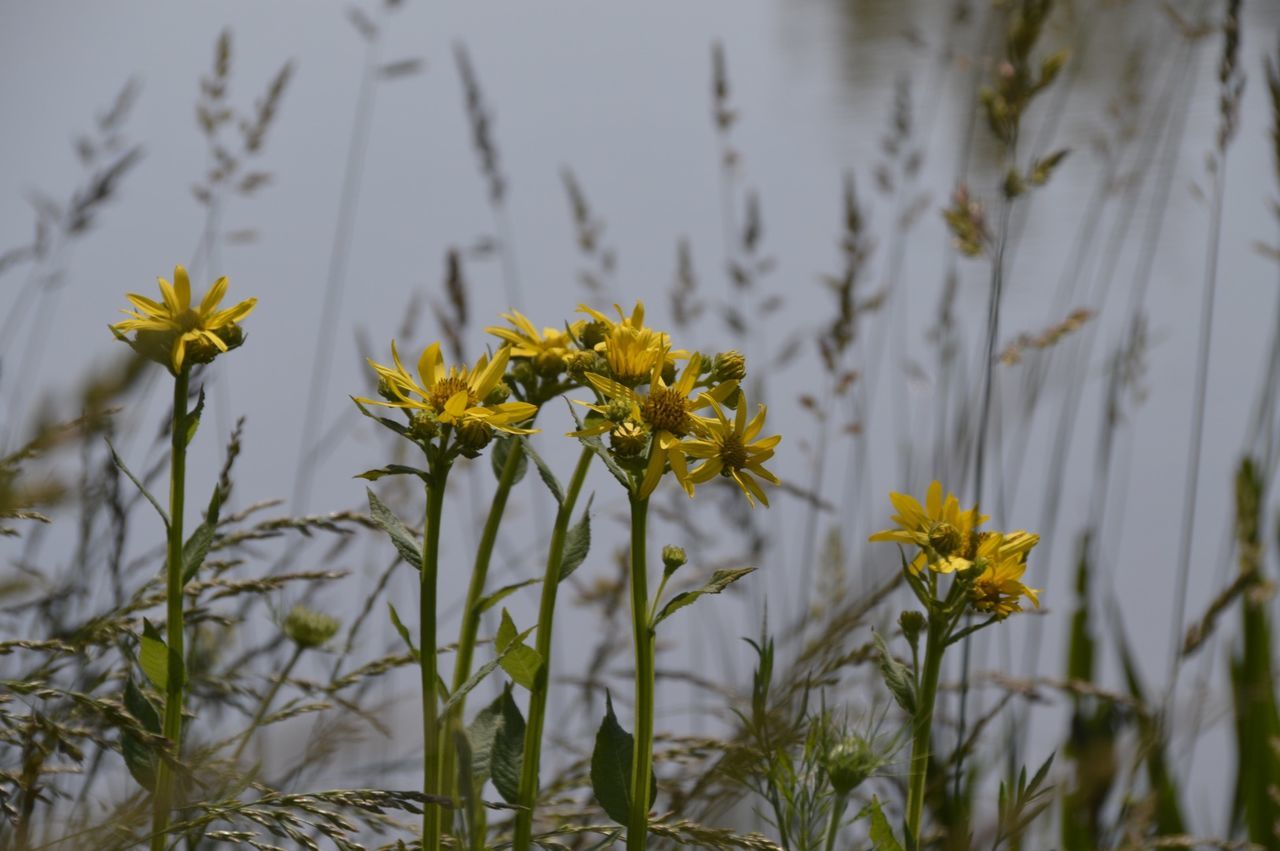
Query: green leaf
[(481, 732), (881, 833), (451, 700), (192, 421), (153, 656), (720, 580), (392, 470), (896, 677), (577, 543), (521, 662), (119, 462), (194, 551), (488, 602), (611, 767), (402, 630), (398, 428), (404, 542), (138, 757), (502, 448), (548, 477), (507, 753)]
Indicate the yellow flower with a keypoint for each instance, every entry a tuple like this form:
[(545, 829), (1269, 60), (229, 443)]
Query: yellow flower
[(455, 395), (666, 410), (732, 450), (547, 350), (998, 589), (631, 349), (173, 333), (944, 533)]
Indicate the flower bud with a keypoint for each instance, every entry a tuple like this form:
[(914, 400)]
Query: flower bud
[(912, 623), (307, 628), (673, 558), (849, 763), (474, 435), (617, 411), (593, 334), (549, 363), (423, 425), (729, 366), (629, 439), (500, 393)]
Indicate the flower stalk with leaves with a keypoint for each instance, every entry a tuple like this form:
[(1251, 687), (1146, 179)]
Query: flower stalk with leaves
[(451, 412), (985, 570), (176, 335)]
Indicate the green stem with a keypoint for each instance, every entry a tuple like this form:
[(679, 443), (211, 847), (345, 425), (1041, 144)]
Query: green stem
[(428, 661), (922, 726), (471, 616), (642, 754), (266, 702), (163, 800), (538, 696), (833, 826)]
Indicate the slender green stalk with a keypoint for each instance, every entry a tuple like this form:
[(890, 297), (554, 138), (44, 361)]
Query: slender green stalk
[(471, 616), (428, 662), (922, 726), (833, 825), (538, 697), (266, 701), (642, 753), (163, 800)]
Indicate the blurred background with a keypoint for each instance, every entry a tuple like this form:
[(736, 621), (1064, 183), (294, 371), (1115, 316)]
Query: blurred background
[(564, 153)]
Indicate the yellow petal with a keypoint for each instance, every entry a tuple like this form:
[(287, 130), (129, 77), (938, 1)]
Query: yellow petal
[(182, 286), (214, 296)]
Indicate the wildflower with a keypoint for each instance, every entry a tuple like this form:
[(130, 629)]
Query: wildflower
[(172, 333), (456, 396), (944, 533), (732, 449), (547, 350), (851, 761), (666, 410), (998, 589), (673, 558), (629, 348)]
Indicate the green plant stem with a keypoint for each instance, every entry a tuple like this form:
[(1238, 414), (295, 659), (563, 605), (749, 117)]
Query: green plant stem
[(642, 753), (266, 701), (922, 726), (471, 614), (163, 799), (538, 696), (427, 659), (833, 825)]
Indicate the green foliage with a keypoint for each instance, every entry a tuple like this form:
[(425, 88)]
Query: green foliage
[(404, 542), (719, 581), (611, 761)]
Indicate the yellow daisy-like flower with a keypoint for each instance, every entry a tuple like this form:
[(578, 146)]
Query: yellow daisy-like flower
[(731, 449), (454, 395), (546, 349), (666, 410), (174, 333), (998, 589), (631, 349), (944, 533)]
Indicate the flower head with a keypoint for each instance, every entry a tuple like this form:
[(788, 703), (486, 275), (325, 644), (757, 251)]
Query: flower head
[(735, 449), (998, 589), (458, 395), (944, 533), (631, 349), (665, 410), (547, 350), (307, 628), (174, 333)]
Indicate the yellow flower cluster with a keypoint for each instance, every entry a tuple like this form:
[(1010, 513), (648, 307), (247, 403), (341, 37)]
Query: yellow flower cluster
[(948, 541), (653, 414)]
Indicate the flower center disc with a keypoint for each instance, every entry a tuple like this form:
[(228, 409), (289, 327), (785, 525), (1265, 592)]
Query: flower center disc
[(733, 453), (666, 409), (446, 388)]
